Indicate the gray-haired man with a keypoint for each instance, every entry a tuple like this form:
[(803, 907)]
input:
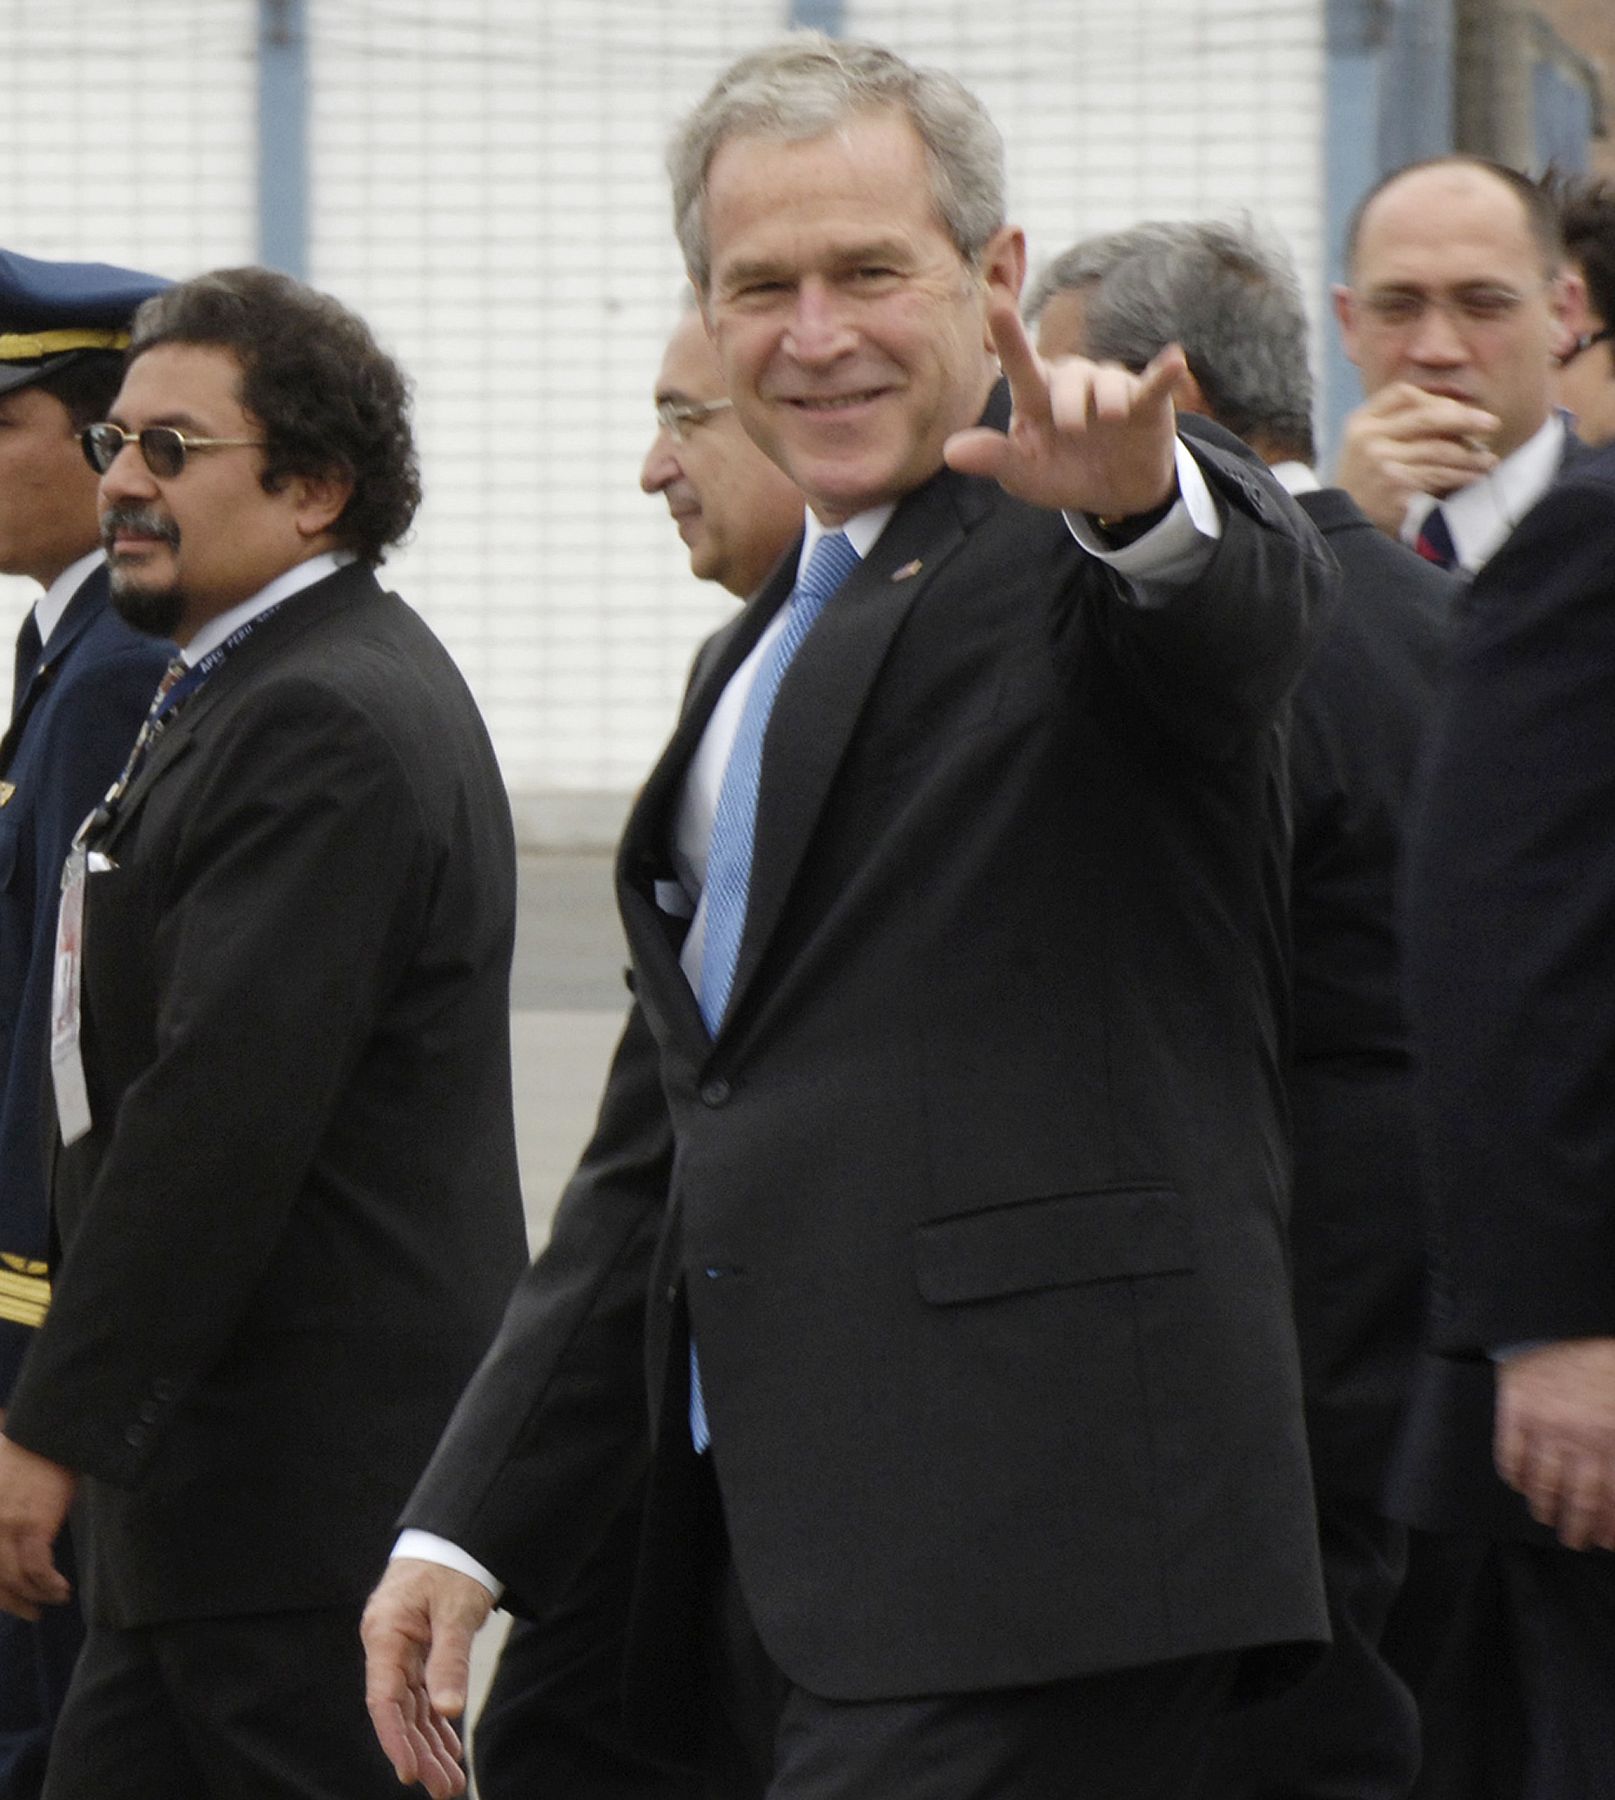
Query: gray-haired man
[(944, 1140), (1230, 297)]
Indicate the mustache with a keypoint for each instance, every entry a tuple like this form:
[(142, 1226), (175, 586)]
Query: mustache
[(146, 521)]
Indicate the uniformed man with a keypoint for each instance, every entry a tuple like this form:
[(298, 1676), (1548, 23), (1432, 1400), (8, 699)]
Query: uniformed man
[(83, 682)]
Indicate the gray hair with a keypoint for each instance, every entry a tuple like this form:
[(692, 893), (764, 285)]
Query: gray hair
[(1090, 261), (1230, 296), (807, 84)]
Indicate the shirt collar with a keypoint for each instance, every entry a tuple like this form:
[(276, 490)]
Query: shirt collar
[(50, 605), (863, 531), (299, 576), (1295, 477), (1481, 515)]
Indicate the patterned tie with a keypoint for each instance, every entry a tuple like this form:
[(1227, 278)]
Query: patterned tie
[(734, 826), (29, 649), (150, 726), (1434, 542)]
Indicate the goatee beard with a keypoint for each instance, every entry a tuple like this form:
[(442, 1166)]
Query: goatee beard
[(154, 611)]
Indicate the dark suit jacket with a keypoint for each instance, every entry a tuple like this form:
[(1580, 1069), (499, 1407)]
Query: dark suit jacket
[(977, 1200), (77, 718), (290, 1232), (1357, 1229), (1510, 946)]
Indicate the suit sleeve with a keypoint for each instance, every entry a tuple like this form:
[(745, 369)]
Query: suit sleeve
[(553, 1432), (1510, 935), (279, 930), (1215, 657)]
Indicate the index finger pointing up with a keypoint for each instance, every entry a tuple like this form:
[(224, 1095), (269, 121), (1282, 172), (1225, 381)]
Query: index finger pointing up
[(1022, 366)]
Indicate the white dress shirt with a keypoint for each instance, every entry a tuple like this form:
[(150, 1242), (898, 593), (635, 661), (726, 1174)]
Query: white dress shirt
[(1482, 514), (50, 605), (299, 576)]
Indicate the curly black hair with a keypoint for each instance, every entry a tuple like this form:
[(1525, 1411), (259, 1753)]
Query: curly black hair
[(327, 397)]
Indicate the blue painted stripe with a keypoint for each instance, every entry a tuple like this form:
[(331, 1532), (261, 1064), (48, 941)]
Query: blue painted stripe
[(828, 16), (283, 135)]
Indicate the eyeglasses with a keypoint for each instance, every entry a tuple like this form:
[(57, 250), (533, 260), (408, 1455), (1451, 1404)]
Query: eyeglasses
[(1586, 342), (162, 448), (677, 417), (1470, 308)]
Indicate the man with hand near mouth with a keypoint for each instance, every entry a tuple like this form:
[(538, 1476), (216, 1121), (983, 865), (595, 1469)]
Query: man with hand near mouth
[(1454, 313), (285, 1193)]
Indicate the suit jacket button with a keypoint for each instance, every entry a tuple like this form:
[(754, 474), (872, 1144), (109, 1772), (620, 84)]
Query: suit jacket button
[(135, 1436), (716, 1092), (150, 1412)]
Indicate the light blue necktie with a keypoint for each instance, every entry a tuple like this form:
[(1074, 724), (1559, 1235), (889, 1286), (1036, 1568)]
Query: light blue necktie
[(734, 824)]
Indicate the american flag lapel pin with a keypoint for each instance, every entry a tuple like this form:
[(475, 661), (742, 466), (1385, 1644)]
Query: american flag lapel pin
[(908, 569)]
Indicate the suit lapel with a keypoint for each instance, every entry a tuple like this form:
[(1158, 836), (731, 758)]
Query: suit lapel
[(297, 614), (644, 858), (813, 722), (80, 613)]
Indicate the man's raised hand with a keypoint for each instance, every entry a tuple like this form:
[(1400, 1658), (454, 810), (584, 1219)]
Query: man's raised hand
[(1084, 437)]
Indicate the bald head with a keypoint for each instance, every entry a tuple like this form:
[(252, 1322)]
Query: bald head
[(1456, 289)]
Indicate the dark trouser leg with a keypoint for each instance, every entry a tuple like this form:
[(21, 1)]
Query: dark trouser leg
[(1449, 1637), (119, 1737), (263, 1708), (1561, 1606), (1135, 1734), (1349, 1729), (552, 1727), (36, 1665)]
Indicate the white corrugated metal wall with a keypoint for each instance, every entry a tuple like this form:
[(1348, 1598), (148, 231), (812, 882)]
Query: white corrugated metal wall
[(486, 186)]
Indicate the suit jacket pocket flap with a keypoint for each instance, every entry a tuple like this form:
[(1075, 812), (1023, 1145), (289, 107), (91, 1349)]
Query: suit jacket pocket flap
[(1061, 1241)]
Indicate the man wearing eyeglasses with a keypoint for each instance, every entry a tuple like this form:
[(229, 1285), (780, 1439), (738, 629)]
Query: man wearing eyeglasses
[(285, 1187), (1454, 314), (552, 1722), (1586, 379), (83, 682), (734, 509)]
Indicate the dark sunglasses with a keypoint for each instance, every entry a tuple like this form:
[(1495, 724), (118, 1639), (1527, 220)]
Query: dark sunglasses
[(162, 448)]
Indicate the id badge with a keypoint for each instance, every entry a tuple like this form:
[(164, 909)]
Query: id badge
[(66, 1063)]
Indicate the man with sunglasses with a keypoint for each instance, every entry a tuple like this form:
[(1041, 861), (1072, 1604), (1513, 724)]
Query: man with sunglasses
[(1586, 379), (1454, 313), (285, 1188), (83, 682)]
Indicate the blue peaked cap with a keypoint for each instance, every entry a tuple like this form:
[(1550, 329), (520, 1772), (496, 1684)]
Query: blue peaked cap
[(53, 312)]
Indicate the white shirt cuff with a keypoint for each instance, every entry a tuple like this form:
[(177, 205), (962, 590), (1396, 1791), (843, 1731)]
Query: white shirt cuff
[(1174, 552), (426, 1546)]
